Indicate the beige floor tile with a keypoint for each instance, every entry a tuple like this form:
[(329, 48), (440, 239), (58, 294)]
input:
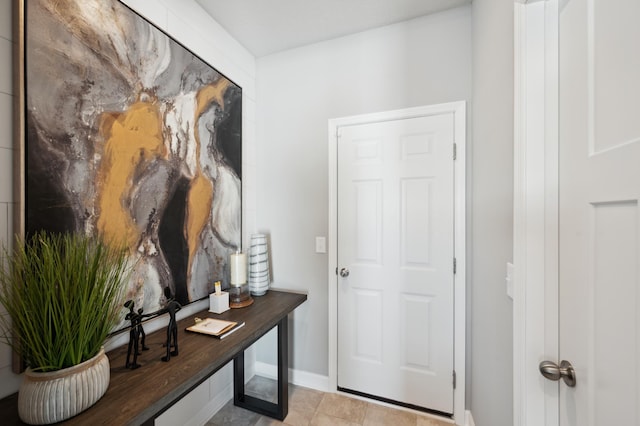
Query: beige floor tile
[(232, 415), (262, 388), (311, 407), (378, 415), (304, 399), (298, 418), (267, 421), (303, 403), (427, 421), (321, 419), (345, 408)]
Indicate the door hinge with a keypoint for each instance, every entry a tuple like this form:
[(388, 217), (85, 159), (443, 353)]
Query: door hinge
[(455, 152), (455, 265), (454, 379)]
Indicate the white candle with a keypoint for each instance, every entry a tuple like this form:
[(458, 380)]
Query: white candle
[(218, 288), (238, 269)]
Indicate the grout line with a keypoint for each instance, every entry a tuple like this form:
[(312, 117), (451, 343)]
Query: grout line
[(369, 405)]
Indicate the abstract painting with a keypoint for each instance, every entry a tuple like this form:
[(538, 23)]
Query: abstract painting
[(130, 136)]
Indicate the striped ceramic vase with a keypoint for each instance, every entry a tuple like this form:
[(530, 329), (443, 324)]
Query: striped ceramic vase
[(258, 265)]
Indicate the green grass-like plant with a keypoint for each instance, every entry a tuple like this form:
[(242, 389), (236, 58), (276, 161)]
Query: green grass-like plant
[(63, 294)]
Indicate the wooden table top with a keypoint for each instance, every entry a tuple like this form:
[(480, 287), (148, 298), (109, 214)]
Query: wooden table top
[(135, 396)]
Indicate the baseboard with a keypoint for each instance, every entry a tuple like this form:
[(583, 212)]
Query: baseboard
[(297, 377), (468, 419), (195, 408), (267, 370), (210, 410)]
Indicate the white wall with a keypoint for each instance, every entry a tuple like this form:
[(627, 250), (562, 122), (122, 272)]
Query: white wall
[(424, 61), (190, 25), (418, 62), (491, 347), (8, 381)]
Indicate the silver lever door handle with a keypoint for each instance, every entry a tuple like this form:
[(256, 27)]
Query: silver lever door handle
[(344, 272), (565, 371)]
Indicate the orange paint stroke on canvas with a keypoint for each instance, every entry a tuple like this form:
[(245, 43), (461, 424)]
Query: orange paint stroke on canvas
[(199, 201), (132, 137), (211, 93), (201, 188)]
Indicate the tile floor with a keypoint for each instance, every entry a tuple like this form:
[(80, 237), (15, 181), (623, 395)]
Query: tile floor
[(312, 407)]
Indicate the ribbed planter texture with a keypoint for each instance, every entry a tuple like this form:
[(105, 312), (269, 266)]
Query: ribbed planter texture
[(55, 396)]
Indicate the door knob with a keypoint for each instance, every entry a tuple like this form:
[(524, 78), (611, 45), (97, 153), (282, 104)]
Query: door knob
[(344, 272), (565, 371)]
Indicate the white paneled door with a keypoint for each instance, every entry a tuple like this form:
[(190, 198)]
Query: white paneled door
[(396, 260), (599, 141)]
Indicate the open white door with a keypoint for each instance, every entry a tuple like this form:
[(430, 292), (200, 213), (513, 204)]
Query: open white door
[(597, 192), (599, 120)]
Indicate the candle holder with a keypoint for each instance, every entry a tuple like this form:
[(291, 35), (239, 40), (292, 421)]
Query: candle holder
[(239, 296)]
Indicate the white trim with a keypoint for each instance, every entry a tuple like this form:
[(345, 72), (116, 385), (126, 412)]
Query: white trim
[(459, 111), (591, 78), (535, 316), (297, 377), (211, 409), (468, 419), (202, 403)]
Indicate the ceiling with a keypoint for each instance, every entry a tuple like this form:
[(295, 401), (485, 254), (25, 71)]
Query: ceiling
[(269, 26)]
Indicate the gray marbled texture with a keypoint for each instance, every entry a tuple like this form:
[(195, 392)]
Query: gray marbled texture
[(98, 79)]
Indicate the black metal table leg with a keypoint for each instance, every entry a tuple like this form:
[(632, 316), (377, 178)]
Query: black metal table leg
[(277, 411), (283, 368)]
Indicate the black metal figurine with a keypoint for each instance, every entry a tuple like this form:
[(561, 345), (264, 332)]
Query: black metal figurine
[(136, 335), (171, 307)]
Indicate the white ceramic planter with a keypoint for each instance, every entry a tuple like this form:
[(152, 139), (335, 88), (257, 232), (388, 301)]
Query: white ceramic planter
[(52, 397)]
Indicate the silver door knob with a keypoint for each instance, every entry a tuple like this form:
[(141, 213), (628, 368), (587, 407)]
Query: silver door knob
[(344, 272), (565, 371)]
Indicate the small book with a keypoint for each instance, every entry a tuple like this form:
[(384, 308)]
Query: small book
[(232, 330), (215, 327)]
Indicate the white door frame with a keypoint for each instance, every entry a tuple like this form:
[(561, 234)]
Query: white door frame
[(458, 109), (535, 245)]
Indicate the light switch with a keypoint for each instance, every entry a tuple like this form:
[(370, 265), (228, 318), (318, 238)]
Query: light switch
[(321, 245)]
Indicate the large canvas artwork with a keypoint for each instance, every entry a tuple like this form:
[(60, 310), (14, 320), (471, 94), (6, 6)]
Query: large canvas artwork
[(131, 136)]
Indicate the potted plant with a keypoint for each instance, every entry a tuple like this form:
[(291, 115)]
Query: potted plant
[(63, 294)]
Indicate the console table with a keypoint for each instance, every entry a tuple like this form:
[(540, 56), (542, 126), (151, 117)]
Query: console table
[(138, 397)]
